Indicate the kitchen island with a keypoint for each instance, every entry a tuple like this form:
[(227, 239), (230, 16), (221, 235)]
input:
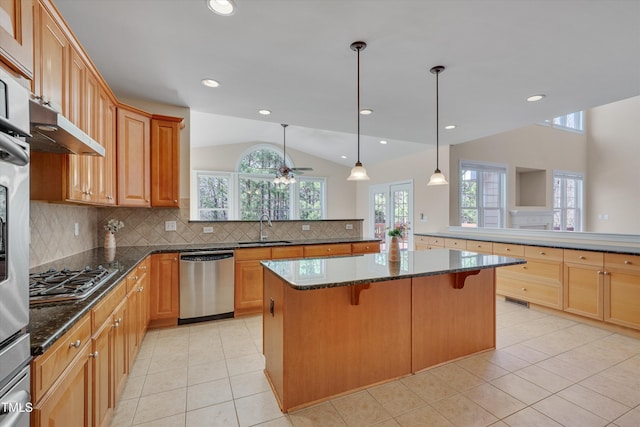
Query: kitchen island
[(334, 325)]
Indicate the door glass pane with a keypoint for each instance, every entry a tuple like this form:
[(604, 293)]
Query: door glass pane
[(380, 220), (400, 210)]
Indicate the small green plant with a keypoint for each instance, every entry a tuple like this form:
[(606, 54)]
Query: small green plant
[(398, 231)]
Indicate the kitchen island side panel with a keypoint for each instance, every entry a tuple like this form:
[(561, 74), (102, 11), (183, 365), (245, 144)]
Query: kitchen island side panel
[(450, 323), (332, 346), (273, 331)]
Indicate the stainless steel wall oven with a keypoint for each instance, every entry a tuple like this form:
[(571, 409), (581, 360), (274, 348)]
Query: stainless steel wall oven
[(15, 349)]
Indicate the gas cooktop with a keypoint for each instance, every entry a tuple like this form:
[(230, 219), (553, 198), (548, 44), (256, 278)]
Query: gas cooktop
[(66, 285)]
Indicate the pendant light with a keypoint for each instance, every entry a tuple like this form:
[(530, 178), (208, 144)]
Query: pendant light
[(358, 173), (438, 177)]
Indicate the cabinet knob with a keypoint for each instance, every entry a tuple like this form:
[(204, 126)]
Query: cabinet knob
[(606, 273), (524, 267), (626, 261), (507, 249), (75, 344), (94, 354), (175, 201), (581, 257), (524, 289), (542, 253), (141, 289), (175, 258), (146, 200)]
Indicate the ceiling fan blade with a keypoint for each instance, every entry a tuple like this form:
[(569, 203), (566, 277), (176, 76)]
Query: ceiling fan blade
[(301, 169)]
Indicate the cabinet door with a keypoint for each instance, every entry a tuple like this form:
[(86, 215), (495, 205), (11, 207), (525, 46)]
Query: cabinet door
[(52, 59), (132, 328), (365, 248), (165, 162), (16, 36), (68, 402), (622, 290), (102, 381), (144, 288), (105, 167), (134, 158), (165, 290), (248, 288), (119, 353), (584, 290)]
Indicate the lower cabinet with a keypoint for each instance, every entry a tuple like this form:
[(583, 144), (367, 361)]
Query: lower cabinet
[(584, 283), (164, 291), (248, 280), (79, 379), (622, 290)]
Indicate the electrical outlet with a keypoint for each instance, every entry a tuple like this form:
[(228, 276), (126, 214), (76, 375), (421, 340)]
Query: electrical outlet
[(306, 227), (207, 230), (349, 227), (169, 226), (76, 229)]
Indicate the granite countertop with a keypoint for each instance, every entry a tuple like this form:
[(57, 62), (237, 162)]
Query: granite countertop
[(586, 246), (318, 273), (48, 322)]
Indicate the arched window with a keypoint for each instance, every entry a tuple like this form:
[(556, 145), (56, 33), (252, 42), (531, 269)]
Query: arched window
[(250, 192), (257, 193)]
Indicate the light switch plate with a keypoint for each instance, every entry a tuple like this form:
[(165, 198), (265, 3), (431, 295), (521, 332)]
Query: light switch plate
[(169, 226)]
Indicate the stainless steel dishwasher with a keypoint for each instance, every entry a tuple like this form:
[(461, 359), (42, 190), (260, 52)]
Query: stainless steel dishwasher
[(206, 286)]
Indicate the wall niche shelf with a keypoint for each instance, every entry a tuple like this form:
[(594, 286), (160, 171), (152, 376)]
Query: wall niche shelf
[(531, 187)]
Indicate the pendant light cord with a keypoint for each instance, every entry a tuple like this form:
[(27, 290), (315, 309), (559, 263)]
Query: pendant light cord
[(437, 124), (359, 104)]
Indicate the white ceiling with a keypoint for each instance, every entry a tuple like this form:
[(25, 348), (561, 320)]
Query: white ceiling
[(293, 57)]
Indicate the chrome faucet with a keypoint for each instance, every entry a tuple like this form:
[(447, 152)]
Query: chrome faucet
[(263, 235)]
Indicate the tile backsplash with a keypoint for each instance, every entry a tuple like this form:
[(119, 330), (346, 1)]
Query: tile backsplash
[(53, 226)]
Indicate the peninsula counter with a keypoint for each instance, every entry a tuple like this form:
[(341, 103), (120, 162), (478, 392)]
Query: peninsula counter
[(334, 325)]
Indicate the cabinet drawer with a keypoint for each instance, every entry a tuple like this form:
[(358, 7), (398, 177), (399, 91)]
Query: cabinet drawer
[(508, 249), (327, 250), (622, 262), (479, 246), (365, 248), (455, 244), (436, 241), (549, 271), (584, 257), (104, 308), (252, 254), (537, 293), (542, 253), (48, 367), (284, 252)]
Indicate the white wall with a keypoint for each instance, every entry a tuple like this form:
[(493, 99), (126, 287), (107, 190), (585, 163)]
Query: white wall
[(536, 147), (613, 158), (341, 195), (433, 202)]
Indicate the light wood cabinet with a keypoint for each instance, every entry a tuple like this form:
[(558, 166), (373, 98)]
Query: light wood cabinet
[(51, 52), (480, 246), (102, 380), (248, 280), (105, 167), (137, 308), (165, 161), (584, 283), (455, 243), (69, 401), (164, 290), (421, 243), (133, 157), (435, 242), (622, 289), (365, 248), (508, 249), (287, 252), (332, 249), (16, 36)]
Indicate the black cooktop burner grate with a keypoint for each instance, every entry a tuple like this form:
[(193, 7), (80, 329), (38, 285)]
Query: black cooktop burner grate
[(63, 285)]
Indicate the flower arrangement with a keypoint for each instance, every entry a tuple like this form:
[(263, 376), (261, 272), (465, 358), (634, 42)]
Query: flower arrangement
[(399, 230), (113, 225)]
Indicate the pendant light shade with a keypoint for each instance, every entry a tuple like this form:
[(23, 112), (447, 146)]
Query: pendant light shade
[(358, 173), (438, 177)]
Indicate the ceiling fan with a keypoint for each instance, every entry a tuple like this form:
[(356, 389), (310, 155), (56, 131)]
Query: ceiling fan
[(285, 174)]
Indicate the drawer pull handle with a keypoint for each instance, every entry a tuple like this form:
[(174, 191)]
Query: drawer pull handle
[(581, 257), (524, 289), (75, 344), (94, 355), (524, 267), (507, 249), (626, 261), (606, 273), (542, 253)]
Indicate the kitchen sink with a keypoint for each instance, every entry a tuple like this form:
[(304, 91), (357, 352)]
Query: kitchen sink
[(264, 242)]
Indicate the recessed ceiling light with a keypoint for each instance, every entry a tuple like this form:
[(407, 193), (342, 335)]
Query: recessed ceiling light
[(383, 142), (210, 83), (534, 98), (449, 127), (264, 112), (343, 157), (366, 111), (222, 7)]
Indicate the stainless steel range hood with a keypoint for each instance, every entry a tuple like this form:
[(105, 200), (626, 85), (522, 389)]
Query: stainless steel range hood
[(54, 133)]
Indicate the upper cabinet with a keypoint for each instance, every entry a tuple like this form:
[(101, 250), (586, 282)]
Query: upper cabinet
[(165, 161), (134, 157), (16, 36)]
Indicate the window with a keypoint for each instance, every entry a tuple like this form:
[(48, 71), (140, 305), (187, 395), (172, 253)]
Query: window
[(482, 195), (572, 122), (247, 194), (567, 201)]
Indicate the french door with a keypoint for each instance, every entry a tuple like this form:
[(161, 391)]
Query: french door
[(389, 206)]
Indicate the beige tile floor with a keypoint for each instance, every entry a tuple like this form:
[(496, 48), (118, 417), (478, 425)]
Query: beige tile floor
[(546, 371)]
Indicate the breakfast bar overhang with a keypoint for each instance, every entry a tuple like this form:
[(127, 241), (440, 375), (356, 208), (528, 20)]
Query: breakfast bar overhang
[(335, 325)]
